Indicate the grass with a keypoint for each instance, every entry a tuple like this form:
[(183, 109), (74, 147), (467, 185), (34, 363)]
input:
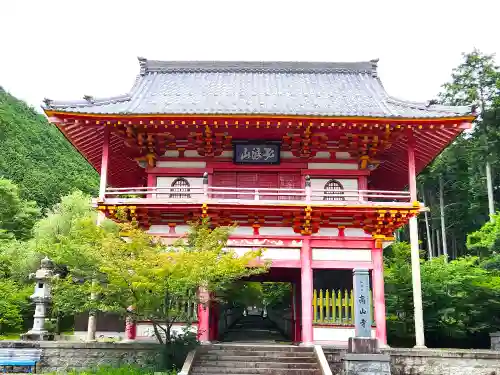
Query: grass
[(10, 336)]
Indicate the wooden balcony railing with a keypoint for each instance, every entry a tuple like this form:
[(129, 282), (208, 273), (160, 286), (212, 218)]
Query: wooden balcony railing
[(251, 195), (241, 195)]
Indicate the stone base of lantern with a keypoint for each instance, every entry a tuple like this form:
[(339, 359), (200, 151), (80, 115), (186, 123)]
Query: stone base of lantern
[(37, 336)]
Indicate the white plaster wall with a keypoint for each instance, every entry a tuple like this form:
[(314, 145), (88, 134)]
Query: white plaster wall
[(327, 232), (192, 154), (145, 330), (272, 253), (322, 155), (158, 229), (181, 164), (171, 154), (354, 255), (180, 229), (335, 333), (164, 229), (194, 182), (286, 155), (243, 231), (281, 231), (343, 155), (226, 154), (347, 183), (332, 166), (355, 232)]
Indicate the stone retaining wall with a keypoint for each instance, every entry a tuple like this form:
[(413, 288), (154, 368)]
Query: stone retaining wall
[(430, 361), (60, 355)]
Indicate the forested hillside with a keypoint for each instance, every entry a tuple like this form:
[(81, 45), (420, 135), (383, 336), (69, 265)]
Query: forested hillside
[(37, 157)]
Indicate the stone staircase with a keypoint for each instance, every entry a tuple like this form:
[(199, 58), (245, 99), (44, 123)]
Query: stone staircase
[(255, 359), (254, 329)]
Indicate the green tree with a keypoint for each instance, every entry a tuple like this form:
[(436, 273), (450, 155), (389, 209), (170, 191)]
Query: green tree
[(461, 300), (485, 241), (37, 157), (136, 269), (462, 166), (475, 80), (14, 305), (17, 216)]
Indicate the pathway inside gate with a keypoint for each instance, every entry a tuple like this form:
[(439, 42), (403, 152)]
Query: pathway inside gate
[(254, 329)]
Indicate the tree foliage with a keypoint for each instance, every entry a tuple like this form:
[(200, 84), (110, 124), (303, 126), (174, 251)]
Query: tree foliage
[(135, 269), (461, 300), (37, 157), (260, 294), (475, 81), (486, 240), (13, 305), (17, 216)]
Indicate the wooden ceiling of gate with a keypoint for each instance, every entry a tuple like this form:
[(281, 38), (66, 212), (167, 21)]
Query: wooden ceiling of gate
[(381, 142)]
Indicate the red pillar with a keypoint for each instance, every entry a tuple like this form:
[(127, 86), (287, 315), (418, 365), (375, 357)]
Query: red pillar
[(378, 293), (297, 313), (415, 253), (294, 315), (130, 327), (412, 176), (203, 316), (306, 281), (151, 183), (104, 163), (214, 321)]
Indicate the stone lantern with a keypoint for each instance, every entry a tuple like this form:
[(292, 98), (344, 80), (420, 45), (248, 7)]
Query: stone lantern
[(42, 299)]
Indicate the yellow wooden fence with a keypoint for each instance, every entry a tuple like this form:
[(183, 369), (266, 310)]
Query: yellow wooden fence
[(335, 307)]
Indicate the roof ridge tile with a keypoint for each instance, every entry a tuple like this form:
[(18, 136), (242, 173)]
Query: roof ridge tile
[(159, 66)]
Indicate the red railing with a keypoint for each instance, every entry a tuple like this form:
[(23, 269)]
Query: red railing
[(250, 195)]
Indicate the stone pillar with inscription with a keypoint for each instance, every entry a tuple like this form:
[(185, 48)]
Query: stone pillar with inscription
[(363, 354)]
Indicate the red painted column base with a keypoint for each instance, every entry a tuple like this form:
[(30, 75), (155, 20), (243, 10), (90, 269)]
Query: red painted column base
[(130, 326), (203, 316), (306, 281), (378, 295)]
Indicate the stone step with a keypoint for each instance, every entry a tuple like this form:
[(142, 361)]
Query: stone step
[(240, 359), (256, 358), (269, 339), (254, 364), (269, 362), (267, 371), (256, 353), (252, 329), (257, 348)]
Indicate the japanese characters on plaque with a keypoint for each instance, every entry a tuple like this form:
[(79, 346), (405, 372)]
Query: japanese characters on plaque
[(362, 308), (257, 153)]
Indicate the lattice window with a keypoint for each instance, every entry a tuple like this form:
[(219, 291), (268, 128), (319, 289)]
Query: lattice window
[(180, 188), (334, 191)]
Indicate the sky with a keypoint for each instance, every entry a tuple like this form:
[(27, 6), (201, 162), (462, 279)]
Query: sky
[(63, 49)]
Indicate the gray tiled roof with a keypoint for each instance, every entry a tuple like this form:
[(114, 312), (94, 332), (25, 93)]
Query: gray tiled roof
[(267, 88)]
